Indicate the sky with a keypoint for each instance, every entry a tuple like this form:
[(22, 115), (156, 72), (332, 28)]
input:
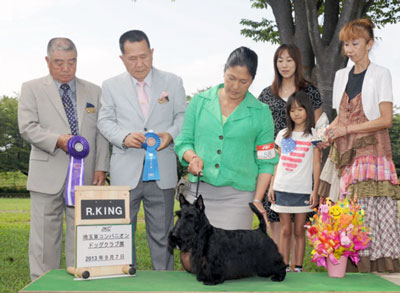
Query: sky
[(191, 38)]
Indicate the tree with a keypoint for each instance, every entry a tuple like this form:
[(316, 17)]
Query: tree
[(394, 134), (14, 151), (314, 26)]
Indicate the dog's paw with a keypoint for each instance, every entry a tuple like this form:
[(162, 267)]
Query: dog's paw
[(279, 277), (207, 280), (212, 282)]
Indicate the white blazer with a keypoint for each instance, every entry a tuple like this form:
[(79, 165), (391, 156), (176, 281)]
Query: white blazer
[(376, 88)]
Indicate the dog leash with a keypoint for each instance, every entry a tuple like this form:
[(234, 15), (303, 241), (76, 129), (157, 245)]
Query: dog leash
[(198, 183)]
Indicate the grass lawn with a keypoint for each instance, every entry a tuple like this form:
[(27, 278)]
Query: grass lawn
[(14, 234)]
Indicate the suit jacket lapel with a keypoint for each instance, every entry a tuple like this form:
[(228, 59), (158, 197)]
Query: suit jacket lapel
[(131, 94), (53, 95), (81, 99), (155, 93)]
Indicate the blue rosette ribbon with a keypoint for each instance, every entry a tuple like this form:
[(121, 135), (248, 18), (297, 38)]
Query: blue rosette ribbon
[(78, 148), (150, 170)]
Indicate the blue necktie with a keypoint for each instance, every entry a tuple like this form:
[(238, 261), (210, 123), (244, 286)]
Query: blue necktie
[(69, 109)]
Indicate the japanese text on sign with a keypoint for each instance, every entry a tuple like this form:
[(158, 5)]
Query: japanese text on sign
[(103, 245)]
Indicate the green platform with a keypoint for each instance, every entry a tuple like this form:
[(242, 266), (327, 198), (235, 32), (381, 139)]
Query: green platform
[(162, 281)]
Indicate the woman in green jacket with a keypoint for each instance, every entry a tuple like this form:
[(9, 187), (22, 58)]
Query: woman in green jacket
[(228, 135)]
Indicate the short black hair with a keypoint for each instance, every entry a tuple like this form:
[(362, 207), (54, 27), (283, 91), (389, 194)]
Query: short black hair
[(132, 36), (243, 56)]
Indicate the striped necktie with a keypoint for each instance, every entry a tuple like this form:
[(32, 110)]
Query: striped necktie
[(69, 109)]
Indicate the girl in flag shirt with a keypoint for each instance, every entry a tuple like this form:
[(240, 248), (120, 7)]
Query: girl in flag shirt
[(292, 189)]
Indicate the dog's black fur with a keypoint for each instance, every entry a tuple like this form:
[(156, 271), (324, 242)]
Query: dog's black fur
[(217, 255)]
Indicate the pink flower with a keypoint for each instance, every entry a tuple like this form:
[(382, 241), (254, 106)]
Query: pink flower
[(324, 210), (344, 240)]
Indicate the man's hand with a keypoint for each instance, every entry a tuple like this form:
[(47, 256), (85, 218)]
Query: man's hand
[(99, 178), (166, 139), (135, 140), (62, 141)]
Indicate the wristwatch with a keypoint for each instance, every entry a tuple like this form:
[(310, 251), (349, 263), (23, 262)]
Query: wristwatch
[(123, 142)]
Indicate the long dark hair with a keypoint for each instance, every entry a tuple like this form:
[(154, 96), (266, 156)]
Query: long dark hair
[(295, 54), (302, 100)]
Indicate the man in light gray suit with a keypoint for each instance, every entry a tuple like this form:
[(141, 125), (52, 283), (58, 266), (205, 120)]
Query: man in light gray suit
[(140, 100), (46, 121)]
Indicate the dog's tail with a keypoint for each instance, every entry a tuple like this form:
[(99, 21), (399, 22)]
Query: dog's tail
[(263, 225)]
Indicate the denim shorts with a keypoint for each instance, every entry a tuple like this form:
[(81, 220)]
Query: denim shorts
[(291, 199)]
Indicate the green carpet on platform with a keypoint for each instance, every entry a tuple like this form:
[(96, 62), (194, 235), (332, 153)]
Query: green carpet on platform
[(60, 280)]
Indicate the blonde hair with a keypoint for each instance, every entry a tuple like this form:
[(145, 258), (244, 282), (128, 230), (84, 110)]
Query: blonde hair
[(358, 28)]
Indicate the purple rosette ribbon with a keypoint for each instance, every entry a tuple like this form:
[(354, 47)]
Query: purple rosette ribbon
[(78, 148)]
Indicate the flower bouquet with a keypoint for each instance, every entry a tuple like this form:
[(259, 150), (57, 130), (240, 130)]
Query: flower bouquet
[(337, 230), (318, 132)]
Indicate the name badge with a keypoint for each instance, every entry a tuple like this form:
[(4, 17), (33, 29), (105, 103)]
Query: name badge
[(266, 151)]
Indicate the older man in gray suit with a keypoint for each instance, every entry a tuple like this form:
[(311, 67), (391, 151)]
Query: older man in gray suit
[(140, 100), (51, 110)]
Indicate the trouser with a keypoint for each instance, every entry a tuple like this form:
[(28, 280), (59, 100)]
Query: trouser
[(158, 210), (46, 232)]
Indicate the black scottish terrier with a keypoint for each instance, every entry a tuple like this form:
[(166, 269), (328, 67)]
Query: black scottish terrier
[(216, 254)]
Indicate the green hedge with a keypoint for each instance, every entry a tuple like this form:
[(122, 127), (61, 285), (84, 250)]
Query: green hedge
[(9, 191)]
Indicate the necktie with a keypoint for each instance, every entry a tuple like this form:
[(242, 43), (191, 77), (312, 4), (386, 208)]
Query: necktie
[(69, 109), (143, 100)]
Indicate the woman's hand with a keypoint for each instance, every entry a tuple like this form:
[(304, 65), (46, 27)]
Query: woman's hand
[(334, 132), (262, 210), (196, 165), (271, 196)]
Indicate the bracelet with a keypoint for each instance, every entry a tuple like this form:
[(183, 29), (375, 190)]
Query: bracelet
[(256, 200)]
